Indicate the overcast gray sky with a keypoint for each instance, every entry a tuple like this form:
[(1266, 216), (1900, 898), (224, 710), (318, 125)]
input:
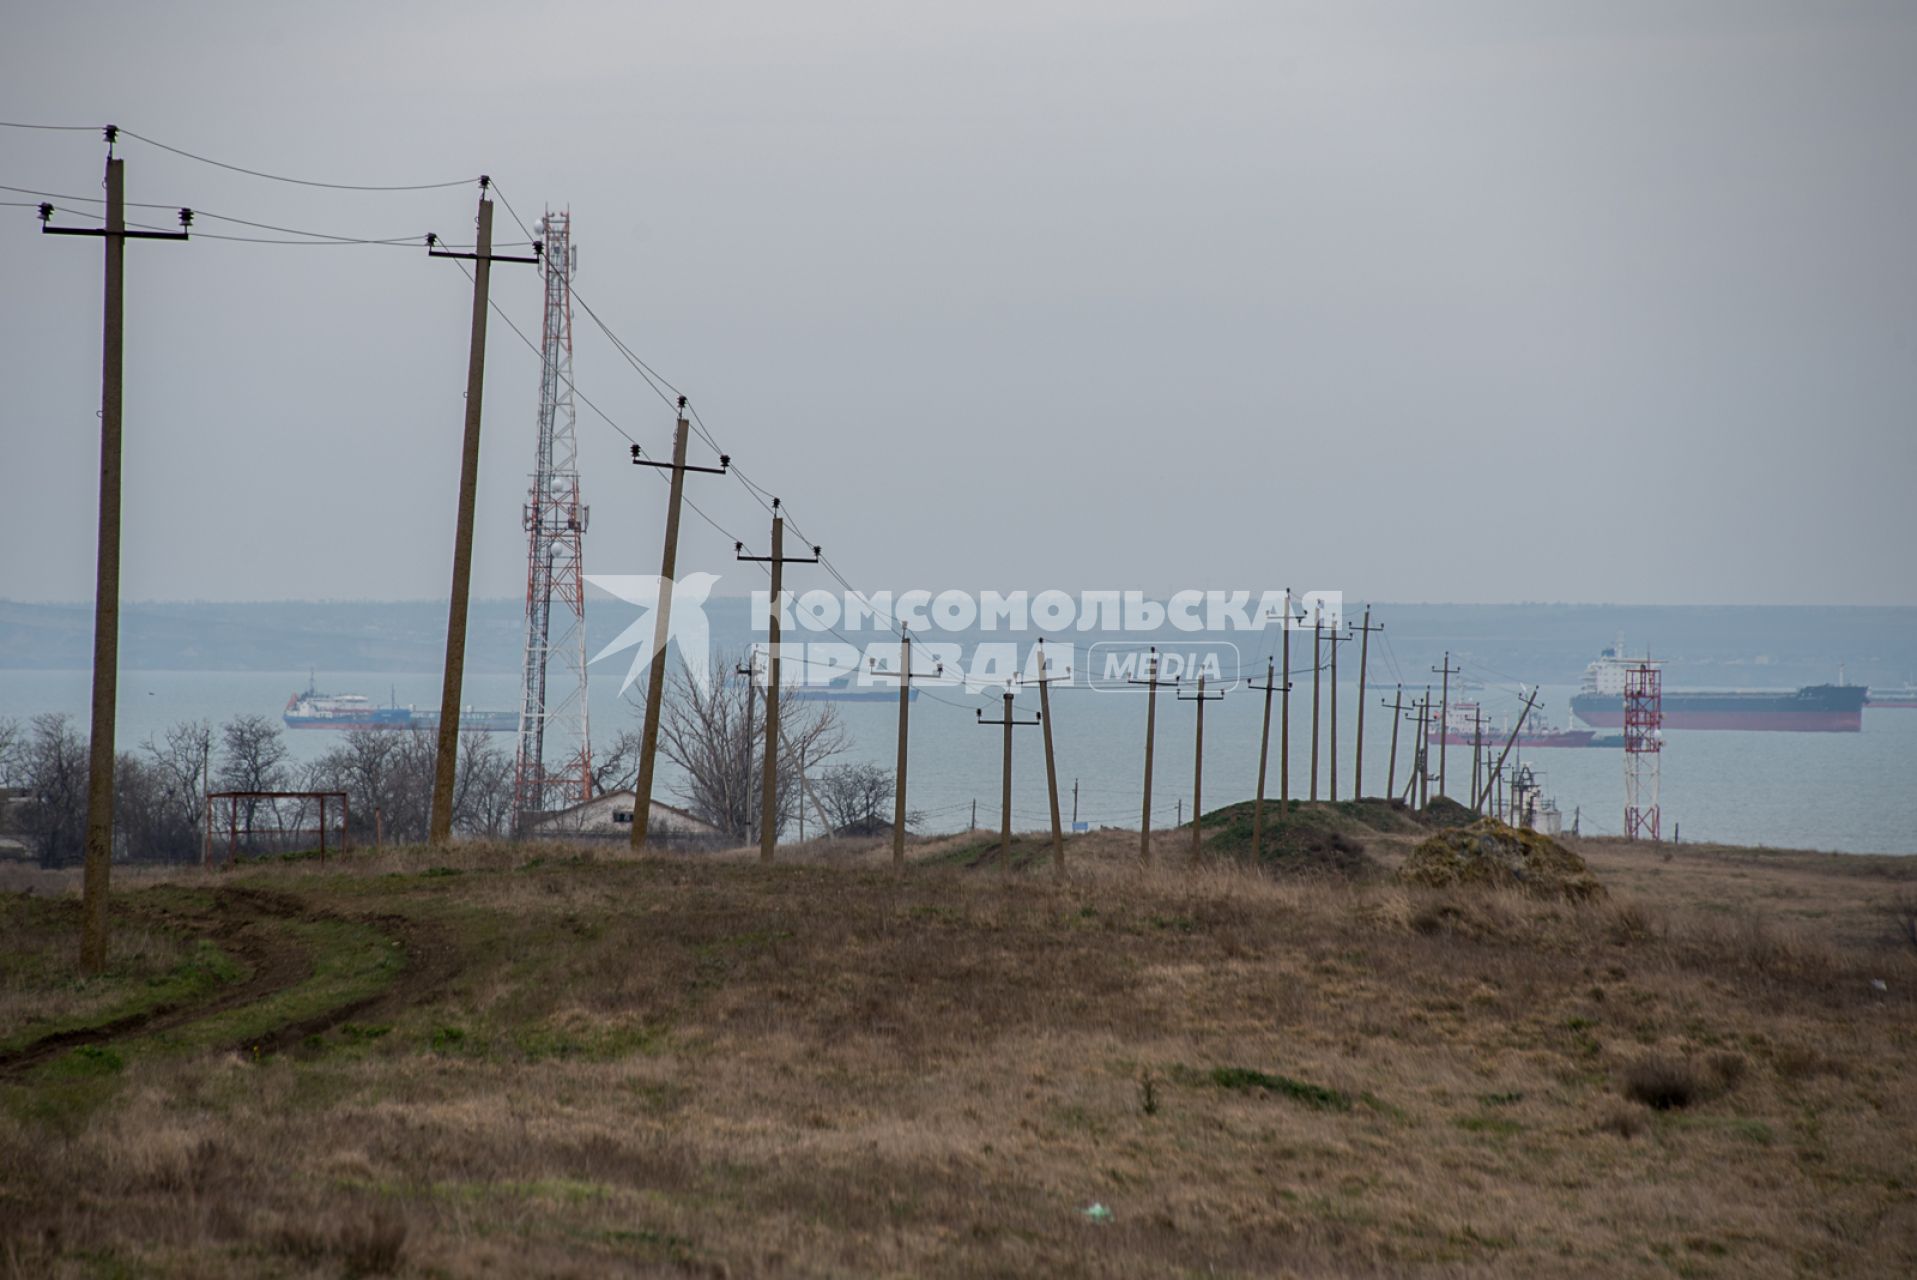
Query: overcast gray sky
[(1463, 301)]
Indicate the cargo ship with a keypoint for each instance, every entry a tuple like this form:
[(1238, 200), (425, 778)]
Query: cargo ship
[(312, 709), (1817, 708), (843, 690), (1462, 730), (1904, 697)]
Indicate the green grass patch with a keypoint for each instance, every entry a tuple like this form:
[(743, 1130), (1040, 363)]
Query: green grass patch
[(204, 969), (1496, 1126), (1302, 1091), (595, 1044), (351, 961), (88, 1061), (1025, 853), (449, 1041)]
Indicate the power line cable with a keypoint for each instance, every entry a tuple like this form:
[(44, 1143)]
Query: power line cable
[(298, 182), (55, 195)]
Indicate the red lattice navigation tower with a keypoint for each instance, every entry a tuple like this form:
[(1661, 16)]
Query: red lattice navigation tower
[(1643, 749), (553, 765)]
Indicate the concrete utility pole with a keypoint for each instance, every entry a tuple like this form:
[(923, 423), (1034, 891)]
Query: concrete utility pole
[(1151, 726), (1284, 713), (904, 675), (1317, 665), (1264, 751), (1419, 754), (106, 579), (1397, 710), (1518, 728), (1364, 654), (1198, 766), (1424, 751), (1444, 716), (750, 670), (1044, 683), (1005, 781), (1477, 754), (1335, 640), (446, 759), (661, 623), (769, 797)]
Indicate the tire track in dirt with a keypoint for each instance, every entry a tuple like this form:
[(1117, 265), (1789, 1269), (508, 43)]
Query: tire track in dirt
[(239, 922), (431, 962), (274, 963)]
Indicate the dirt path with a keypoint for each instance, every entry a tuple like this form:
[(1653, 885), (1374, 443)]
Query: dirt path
[(240, 921), (431, 962)]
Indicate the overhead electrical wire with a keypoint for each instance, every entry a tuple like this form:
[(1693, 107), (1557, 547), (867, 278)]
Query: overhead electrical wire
[(413, 239), (298, 182), (581, 396), (54, 128), (659, 384)]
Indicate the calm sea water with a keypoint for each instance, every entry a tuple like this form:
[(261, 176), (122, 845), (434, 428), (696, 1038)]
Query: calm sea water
[(1846, 792)]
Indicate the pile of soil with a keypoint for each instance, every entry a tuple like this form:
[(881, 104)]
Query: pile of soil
[(1303, 840), (1443, 812), (1297, 849), (1487, 853)]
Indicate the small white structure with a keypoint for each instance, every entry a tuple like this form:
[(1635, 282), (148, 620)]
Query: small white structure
[(609, 817)]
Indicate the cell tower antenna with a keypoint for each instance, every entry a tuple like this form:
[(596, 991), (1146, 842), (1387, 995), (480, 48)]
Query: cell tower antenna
[(554, 725), (1643, 748)]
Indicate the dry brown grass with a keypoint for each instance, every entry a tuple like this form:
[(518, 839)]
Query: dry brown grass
[(713, 1068)]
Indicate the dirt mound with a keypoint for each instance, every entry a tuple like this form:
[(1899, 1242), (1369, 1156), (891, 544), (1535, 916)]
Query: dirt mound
[(1304, 840), (1296, 849), (1446, 812), (1491, 854)]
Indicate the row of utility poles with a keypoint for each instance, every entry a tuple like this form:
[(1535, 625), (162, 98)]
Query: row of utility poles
[(106, 595), (100, 817)]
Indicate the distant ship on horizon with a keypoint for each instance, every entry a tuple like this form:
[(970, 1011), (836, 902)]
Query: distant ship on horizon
[(312, 709), (1463, 730), (1817, 708), (1904, 697)]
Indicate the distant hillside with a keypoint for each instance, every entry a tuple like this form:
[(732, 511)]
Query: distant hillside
[(1776, 645)]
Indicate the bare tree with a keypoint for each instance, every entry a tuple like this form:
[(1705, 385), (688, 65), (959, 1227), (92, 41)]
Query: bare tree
[(52, 768), (11, 739), (252, 758), (858, 799), (702, 730), (389, 773), (483, 787), (368, 767), (615, 764), (183, 757), (151, 821)]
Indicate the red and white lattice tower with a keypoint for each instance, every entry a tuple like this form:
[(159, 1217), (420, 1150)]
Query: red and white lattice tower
[(1643, 748), (553, 765)]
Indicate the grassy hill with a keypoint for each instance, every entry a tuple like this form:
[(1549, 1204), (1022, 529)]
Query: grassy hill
[(528, 1060)]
